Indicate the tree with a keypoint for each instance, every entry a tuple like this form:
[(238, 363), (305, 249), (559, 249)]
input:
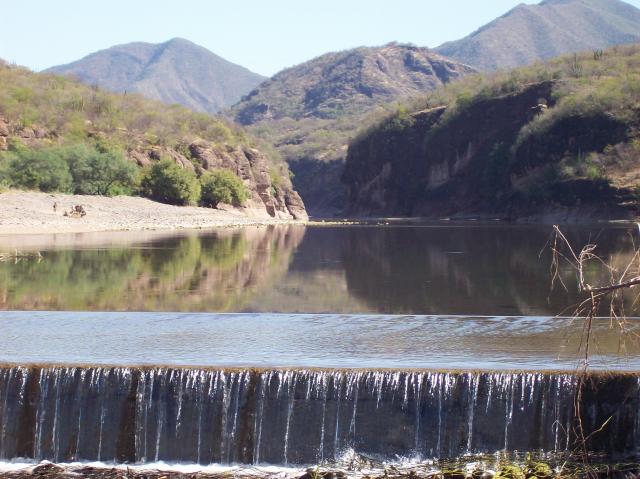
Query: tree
[(222, 186), (44, 170), (99, 173), (166, 182)]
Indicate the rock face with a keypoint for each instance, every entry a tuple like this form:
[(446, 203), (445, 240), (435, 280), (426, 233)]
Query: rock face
[(176, 71), (554, 27), (310, 111), (251, 165), (471, 163), (4, 133)]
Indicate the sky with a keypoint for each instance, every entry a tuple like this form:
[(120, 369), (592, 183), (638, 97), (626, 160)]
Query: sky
[(262, 35)]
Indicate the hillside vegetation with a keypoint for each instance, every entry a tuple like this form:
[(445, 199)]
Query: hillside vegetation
[(58, 134), (530, 33), (176, 71), (310, 111), (556, 136)]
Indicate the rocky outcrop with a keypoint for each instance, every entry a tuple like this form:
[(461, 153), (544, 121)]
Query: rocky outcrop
[(471, 162), (251, 165), (32, 136), (4, 133), (279, 201)]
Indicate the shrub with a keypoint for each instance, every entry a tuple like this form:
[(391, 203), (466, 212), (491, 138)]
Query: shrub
[(222, 186), (166, 182), (97, 173), (399, 121), (44, 170)]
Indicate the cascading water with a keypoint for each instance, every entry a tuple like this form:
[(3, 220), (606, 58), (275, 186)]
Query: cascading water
[(301, 416)]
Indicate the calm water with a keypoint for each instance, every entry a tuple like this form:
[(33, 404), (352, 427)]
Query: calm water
[(423, 296), (315, 341), (430, 269)]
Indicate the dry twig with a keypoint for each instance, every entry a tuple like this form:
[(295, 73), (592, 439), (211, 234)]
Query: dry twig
[(595, 295)]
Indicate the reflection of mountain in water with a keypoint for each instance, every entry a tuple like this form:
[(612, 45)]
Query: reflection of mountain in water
[(472, 270), (216, 271)]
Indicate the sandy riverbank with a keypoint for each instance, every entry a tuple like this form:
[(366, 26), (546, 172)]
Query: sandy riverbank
[(33, 213)]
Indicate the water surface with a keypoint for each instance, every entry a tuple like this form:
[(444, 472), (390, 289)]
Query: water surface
[(310, 341), (437, 269)]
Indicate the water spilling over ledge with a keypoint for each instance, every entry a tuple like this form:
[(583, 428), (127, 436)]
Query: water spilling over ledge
[(204, 416), (300, 341)]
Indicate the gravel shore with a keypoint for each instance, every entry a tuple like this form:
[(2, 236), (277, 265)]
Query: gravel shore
[(35, 213)]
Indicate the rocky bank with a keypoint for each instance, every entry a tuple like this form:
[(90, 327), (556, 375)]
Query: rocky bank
[(267, 199)]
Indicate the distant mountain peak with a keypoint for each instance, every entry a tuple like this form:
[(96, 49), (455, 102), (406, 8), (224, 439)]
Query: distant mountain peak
[(531, 32), (175, 71)]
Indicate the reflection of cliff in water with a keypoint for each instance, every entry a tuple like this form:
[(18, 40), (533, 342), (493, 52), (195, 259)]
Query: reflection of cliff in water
[(213, 271), (492, 270), (316, 280)]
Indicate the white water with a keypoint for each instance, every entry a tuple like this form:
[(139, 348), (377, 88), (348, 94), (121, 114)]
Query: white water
[(295, 416)]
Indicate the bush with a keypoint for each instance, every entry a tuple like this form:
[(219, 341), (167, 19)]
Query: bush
[(166, 182), (222, 186), (98, 173), (44, 170)]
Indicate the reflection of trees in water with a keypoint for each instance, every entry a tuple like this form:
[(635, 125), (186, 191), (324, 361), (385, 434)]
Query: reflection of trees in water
[(216, 271), (468, 270)]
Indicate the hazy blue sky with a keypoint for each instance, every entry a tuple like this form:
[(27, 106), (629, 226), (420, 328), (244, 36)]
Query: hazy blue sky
[(262, 35)]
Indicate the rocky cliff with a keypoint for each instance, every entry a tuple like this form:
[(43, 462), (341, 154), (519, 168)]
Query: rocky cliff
[(557, 148)]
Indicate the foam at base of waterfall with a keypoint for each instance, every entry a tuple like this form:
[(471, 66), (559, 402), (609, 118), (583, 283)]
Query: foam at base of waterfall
[(237, 470), (350, 465)]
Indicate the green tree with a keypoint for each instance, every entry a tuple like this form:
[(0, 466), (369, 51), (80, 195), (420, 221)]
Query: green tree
[(166, 182), (222, 186), (44, 170), (99, 173)]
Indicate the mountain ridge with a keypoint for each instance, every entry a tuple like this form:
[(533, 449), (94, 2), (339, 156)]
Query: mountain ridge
[(176, 71), (532, 32)]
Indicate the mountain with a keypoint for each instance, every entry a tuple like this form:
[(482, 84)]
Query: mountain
[(554, 27), (556, 141), (310, 111), (176, 71), (43, 117)]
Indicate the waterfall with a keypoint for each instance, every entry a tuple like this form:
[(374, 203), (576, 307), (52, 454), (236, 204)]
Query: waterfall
[(139, 415)]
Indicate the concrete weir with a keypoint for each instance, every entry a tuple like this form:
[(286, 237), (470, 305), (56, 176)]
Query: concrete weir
[(297, 417)]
